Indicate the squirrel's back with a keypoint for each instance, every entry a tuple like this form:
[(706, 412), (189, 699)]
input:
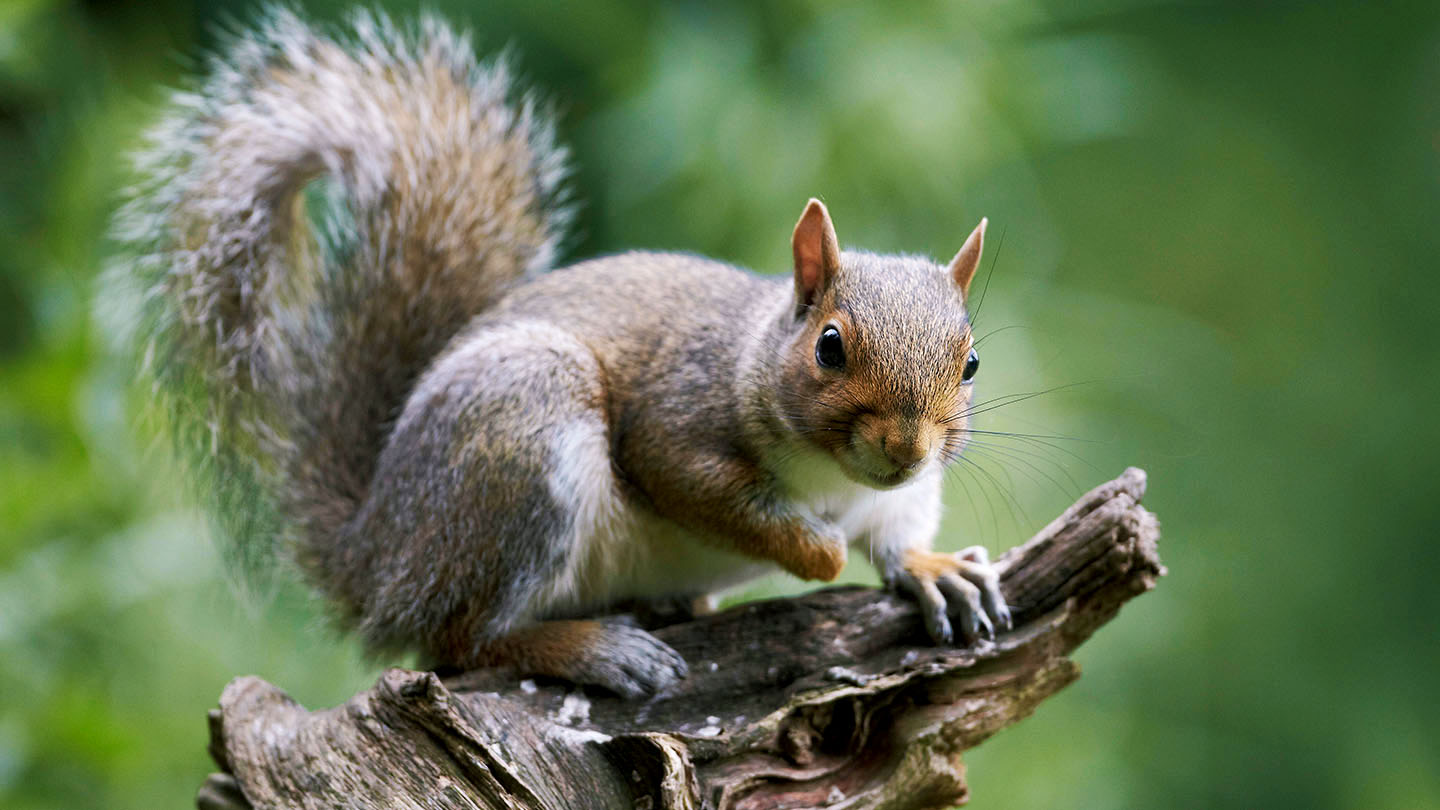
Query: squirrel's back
[(640, 297), (313, 224), (670, 330)]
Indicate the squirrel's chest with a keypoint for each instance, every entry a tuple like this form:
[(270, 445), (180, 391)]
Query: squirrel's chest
[(643, 555), (810, 486), (635, 553), (813, 482)]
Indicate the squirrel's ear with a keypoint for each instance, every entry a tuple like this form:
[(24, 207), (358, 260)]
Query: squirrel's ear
[(817, 253), (962, 267)]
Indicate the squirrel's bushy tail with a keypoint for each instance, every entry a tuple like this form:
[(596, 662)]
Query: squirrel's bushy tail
[(313, 223)]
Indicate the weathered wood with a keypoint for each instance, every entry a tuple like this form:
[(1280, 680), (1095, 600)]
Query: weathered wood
[(833, 699)]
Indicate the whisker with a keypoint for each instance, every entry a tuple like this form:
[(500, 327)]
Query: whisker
[(1032, 441), (1023, 397), (1003, 399), (988, 484), (953, 472), (994, 259), (1036, 436), (1073, 490), (1035, 453), (1006, 496), (996, 331)]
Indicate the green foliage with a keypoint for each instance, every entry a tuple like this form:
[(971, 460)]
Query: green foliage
[(1210, 225)]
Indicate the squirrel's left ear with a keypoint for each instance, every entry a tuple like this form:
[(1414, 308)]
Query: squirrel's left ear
[(817, 253), (962, 267)]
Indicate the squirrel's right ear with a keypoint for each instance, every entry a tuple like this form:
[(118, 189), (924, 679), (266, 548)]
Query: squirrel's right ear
[(817, 253)]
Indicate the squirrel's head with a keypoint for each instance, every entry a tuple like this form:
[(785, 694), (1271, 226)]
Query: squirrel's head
[(879, 367)]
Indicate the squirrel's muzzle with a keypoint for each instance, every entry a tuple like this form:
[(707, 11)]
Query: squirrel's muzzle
[(890, 448)]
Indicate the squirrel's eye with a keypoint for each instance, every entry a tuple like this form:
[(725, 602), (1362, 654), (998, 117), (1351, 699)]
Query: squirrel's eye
[(829, 350), (972, 365)]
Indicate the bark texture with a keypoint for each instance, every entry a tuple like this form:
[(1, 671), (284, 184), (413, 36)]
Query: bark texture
[(834, 699)]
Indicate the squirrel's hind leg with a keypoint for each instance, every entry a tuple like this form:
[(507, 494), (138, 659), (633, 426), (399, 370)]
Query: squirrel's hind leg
[(618, 656), (528, 504)]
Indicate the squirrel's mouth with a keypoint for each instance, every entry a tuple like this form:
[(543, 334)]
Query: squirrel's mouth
[(894, 479), (889, 479), (864, 465)]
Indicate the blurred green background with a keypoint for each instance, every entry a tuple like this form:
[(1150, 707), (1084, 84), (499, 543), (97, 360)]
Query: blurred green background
[(1215, 223)]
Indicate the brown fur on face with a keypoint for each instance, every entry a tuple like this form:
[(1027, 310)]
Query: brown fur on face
[(899, 401)]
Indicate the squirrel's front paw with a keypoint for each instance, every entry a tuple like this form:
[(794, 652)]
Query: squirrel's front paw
[(962, 586), (629, 662), (817, 552)]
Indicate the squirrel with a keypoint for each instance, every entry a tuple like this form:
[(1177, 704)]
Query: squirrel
[(344, 241)]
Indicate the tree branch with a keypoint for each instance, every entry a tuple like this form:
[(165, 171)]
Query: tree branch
[(832, 699)]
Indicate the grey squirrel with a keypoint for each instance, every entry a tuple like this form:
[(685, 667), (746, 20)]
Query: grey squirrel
[(344, 242)]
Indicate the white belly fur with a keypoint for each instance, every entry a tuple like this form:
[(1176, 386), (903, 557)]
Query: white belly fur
[(640, 555), (626, 551)]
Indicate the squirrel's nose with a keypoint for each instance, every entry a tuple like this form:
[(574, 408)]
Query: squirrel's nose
[(901, 452)]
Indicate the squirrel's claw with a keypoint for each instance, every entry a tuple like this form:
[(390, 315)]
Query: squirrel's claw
[(933, 608), (963, 587), (975, 566), (967, 604), (995, 606), (631, 663)]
